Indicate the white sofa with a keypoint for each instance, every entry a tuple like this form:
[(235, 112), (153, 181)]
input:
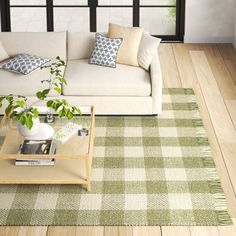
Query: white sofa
[(125, 90)]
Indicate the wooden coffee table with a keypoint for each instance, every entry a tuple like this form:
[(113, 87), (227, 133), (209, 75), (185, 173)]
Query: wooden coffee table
[(73, 160)]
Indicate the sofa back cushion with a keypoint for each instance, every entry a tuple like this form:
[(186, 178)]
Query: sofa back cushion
[(128, 53), (80, 45), (47, 45), (3, 53)]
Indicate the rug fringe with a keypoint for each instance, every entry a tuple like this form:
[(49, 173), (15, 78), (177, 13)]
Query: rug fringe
[(223, 218), (216, 189)]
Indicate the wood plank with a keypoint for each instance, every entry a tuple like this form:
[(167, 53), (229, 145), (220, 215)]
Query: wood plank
[(231, 66), (9, 230), (193, 46), (76, 230), (216, 152), (184, 64), (231, 106), (175, 231), (227, 230), (221, 74), (33, 231), (171, 78), (204, 231), (228, 52), (147, 231), (220, 118), (229, 153), (61, 230), (23, 230), (90, 231), (219, 115), (118, 231)]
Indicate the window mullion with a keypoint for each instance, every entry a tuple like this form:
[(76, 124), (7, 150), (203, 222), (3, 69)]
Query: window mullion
[(136, 12), (93, 14), (50, 17), (5, 15)]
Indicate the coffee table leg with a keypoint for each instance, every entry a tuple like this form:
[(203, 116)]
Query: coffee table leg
[(89, 187), (88, 174)]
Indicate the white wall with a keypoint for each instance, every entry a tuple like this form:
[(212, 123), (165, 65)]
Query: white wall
[(210, 21)]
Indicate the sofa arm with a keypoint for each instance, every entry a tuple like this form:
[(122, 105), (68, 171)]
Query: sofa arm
[(157, 84)]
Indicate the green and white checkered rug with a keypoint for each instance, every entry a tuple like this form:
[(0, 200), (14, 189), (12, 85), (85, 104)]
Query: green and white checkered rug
[(146, 171)]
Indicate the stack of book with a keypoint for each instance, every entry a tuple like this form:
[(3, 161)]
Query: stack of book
[(36, 147)]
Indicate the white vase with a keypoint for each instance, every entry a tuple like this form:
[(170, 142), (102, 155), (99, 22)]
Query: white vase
[(45, 132), (26, 132)]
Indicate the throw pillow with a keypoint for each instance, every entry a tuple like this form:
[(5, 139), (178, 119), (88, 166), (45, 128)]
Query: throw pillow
[(147, 49), (128, 53), (105, 51), (24, 63), (3, 53)]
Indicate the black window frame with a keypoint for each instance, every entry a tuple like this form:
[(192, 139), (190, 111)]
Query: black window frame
[(93, 6)]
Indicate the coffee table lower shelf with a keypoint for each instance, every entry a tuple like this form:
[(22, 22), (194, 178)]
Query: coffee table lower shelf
[(63, 172)]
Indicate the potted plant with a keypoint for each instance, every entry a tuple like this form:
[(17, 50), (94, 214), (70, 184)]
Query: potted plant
[(27, 115)]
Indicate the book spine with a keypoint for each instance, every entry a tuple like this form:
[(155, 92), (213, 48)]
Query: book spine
[(34, 163), (35, 160)]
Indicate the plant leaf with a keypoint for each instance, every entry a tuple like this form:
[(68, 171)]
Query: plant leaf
[(35, 113), (50, 103), (45, 92), (22, 119), (58, 90), (69, 115), (8, 109), (39, 95), (2, 98), (20, 103), (60, 113), (29, 122)]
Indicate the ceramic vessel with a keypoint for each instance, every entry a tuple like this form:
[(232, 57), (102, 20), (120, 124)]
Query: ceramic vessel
[(45, 132), (26, 132)]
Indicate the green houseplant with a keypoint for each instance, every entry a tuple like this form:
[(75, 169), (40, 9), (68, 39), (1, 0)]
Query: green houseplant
[(27, 115)]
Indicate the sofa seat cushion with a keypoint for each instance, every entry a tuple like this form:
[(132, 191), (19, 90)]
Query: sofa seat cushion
[(18, 84), (91, 80)]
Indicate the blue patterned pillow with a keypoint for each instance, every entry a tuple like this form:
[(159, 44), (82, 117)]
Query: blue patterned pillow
[(105, 51), (24, 63)]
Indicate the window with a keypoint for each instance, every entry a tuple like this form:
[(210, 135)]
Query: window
[(162, 18), (28, 19)]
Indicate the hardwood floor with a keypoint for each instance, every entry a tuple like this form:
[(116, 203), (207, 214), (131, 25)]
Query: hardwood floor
[(211, 71)]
